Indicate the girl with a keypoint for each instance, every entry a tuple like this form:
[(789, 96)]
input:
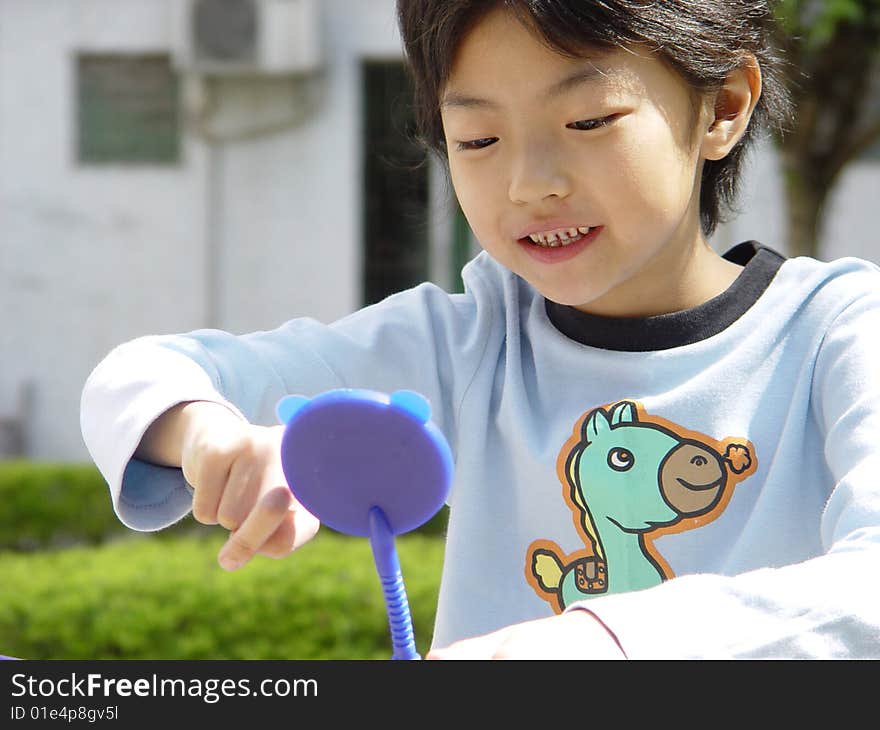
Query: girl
[(660, 451)]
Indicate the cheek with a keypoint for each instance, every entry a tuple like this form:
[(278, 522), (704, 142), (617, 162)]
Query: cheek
[(653, 173), (474, 193)]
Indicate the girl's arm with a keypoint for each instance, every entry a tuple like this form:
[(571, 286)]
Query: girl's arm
[(423, 339)]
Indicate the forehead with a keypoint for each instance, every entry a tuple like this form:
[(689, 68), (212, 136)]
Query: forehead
[(500, 52), (503, 64)]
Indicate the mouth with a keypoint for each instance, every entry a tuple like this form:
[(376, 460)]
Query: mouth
[(559, 237), (558, 245), (699, 487)]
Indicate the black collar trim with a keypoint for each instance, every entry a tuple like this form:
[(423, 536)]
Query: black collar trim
[(664, 331)]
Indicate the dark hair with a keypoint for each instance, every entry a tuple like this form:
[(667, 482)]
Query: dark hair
[(703, 40)]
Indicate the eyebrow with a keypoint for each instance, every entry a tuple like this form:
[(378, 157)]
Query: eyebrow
[(586, 75)]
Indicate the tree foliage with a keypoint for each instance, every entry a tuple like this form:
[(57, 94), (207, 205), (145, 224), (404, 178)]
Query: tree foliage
[(833, 47)]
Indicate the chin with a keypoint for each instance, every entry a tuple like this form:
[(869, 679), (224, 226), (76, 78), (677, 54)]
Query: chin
[(567, 298)]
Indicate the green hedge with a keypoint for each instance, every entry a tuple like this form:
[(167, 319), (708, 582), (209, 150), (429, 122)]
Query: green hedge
[(49, 504), (149, 598), (57, 504)]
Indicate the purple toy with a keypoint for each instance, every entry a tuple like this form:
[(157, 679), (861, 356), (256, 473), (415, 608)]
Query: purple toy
[(372, 465)]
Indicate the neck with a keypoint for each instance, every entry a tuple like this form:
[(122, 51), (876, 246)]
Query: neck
[(628, 567)]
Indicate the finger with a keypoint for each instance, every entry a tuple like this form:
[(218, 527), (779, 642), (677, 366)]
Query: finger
[(267, 515), (299, 526), (240, 494), (208, 480)]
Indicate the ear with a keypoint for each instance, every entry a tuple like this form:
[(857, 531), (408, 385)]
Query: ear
[(623, 412), (289, 406), (595, 424), (733, 106)]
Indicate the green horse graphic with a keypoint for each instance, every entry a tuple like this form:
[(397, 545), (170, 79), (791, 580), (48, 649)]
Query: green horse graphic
[(626, 479)]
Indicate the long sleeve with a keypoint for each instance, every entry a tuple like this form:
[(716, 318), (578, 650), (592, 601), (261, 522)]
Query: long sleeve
[(423, 339)]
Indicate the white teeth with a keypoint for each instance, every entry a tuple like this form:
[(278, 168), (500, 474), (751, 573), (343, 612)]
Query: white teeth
[(559, 237)]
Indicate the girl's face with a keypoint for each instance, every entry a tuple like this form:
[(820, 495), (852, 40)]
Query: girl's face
[(596, 158)]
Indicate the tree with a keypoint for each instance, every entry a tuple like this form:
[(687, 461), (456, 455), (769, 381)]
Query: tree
[(834, 50)]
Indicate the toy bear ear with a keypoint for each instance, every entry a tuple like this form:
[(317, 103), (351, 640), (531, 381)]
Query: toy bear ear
[(289, 406), (413, 403)]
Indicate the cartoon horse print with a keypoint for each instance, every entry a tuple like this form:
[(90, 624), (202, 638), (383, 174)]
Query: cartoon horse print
[(629, 478)]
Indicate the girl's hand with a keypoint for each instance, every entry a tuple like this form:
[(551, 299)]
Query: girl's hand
[(235, 471), (576, 634)]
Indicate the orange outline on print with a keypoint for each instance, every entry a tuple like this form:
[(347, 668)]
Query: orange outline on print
[(722, 447), (733, 479), (554, 549)]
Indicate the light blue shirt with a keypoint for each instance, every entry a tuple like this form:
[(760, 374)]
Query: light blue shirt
[(706, 482)]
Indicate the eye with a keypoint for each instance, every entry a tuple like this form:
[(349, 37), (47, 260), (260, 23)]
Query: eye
[(699, 461), (586, 125), (475, 144), (621, 459)]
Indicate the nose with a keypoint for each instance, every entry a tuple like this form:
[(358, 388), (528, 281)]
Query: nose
[(537, 173), (692, 479)]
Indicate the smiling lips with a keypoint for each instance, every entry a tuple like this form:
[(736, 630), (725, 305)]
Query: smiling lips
[(556, 245), (559, 236)]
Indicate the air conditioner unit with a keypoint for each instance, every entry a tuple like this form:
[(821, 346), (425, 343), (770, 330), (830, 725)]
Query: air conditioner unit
[(244, 37)]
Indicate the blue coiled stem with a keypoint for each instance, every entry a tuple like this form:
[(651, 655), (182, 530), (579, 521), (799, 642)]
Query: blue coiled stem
[(396, 603), (402, 638)]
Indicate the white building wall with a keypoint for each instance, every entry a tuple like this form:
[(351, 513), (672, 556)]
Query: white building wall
[(84, 249), (242, 234), (289, 212), (91, 256)]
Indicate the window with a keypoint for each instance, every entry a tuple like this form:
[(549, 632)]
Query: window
[(127, 109)]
